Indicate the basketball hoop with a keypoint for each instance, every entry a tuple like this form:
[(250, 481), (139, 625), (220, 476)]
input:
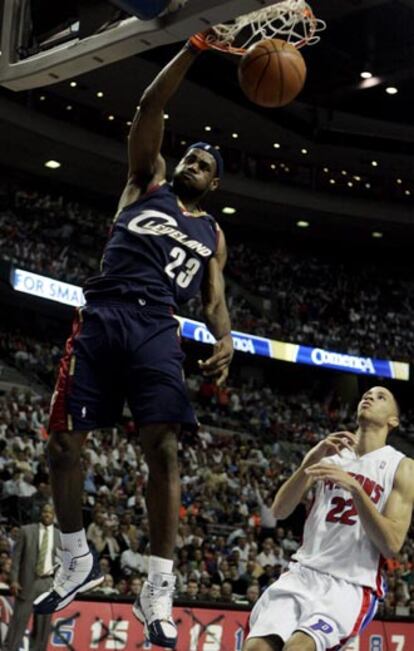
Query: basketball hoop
[(291, 20)]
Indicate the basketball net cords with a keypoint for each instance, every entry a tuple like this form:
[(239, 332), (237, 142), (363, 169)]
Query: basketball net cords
[(293, 19)]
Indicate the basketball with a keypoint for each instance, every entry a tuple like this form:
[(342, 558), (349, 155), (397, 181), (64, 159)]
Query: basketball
[(272, 73)]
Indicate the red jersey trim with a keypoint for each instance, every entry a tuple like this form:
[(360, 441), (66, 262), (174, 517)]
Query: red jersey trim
[(59, 419), (366, 604)]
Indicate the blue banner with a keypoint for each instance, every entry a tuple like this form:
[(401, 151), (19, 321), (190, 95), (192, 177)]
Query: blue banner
[(61, 292), (242, 342), (44, 287), (344, 362)]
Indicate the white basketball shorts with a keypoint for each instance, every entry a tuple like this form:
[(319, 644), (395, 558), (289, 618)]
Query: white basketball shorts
[(330, 610)]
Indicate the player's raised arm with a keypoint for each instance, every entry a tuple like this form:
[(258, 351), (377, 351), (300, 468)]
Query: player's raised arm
[(216, 314), (147, 130)]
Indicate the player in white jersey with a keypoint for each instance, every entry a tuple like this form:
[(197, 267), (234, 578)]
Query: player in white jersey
[(364, 496)]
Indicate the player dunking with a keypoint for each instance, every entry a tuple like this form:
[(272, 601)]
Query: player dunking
[(163, 248), (360, 515)]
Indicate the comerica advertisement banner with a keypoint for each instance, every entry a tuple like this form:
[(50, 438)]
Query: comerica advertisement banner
[(72, 295), (105, 626)]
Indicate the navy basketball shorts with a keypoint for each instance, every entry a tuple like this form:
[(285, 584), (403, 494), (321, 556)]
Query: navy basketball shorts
[(121, 352)]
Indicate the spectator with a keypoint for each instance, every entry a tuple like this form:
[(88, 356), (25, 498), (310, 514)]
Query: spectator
[(253, 593), (267, 519), (135, 586), (95, 531), (31, 575), (192, 590), (107, 586), (214, 593), (121, 587), (289, 544), (132, 561), (105, 565), (227, 592), (267, 555)]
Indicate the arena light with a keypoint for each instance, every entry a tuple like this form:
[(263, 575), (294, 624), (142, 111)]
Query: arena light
[(276, 145), (370, 82), (183, 142), (235, 135), (69, 107), (350, 184), (304, 151), (377, 235), (273, 166), (408, 193), (42, 98), (332, 181), (366, 75), (344, 172), (99, 94), (367, 185), (374, 163), (166, 116), (73, 84), (228, 210), (399, 181), (302, 223), (391, 90), (326, 170), (207, 128), (52, 164), (129, 123), (111, 117), (357, 178)]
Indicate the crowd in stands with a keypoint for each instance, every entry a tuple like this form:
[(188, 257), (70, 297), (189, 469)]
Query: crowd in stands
[(349, 305), (338, 305), (50, 236), (30, 355), (229, 546)]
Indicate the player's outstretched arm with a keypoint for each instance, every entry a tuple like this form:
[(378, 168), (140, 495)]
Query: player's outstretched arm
[(293, 490), (146, 133), (387, 530), (217, 315), (291, 493)]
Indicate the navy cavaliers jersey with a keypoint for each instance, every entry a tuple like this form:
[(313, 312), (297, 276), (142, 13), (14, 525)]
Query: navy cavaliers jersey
[(156, 251)]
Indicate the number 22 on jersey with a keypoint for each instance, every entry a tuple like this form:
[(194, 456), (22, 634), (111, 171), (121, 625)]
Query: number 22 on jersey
[(343, 511)]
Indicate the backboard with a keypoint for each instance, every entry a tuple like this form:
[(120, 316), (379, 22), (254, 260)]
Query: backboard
[(28, 61)]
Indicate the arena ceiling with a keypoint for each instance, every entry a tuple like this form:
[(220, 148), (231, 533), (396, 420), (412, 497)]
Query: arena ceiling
[(363, 35)]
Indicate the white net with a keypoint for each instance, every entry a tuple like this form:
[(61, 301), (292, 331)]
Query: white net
[(292, 20)]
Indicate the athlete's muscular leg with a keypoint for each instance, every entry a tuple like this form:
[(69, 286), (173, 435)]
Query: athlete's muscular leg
[(300, 642), (66, 478), (267, 643), (159, 443)]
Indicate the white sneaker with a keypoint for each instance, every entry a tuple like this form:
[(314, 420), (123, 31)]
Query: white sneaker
[(75, 574), (153, 607)]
